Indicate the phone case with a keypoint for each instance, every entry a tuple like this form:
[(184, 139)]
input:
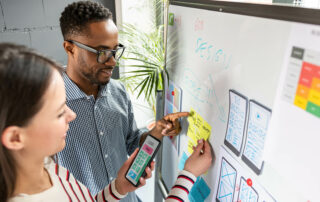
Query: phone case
[(149, 162)]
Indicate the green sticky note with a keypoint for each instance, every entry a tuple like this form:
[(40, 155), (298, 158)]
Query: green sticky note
[(171, 19), (313, 109)]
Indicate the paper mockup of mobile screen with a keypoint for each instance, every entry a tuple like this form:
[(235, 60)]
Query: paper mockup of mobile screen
[(257, 125), (236, 121), (143, 159), (246, 192), (227, 182)]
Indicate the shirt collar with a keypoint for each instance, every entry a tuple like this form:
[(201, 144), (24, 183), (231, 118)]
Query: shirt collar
[(73, 92)]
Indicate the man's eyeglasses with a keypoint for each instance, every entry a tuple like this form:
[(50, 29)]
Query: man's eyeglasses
[(103, 56)]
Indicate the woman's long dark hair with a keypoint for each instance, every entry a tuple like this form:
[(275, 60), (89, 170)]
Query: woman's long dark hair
[(24, 78)]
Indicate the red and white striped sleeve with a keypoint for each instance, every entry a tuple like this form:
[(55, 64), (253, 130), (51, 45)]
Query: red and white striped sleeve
[(180, 190), (109, 194)]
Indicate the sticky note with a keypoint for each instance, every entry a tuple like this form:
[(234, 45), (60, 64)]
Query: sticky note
[(198, 129), (171, 19), (182, 161), (200, 191), (191, 144)]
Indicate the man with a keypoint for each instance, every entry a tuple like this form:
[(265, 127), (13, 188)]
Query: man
[(104, 132)]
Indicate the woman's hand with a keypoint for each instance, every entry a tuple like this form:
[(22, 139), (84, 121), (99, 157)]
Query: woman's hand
[(123, 186), (200, 160)]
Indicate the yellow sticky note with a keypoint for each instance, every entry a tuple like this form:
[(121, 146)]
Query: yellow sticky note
[(205, 130), (198, 129), (190, 146), (192, 116), (191, 132)]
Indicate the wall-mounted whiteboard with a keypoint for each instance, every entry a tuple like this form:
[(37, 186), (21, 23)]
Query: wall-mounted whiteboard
[(229, 66)]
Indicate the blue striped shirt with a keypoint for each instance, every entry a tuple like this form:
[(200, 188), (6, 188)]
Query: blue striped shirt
[(102, 135)]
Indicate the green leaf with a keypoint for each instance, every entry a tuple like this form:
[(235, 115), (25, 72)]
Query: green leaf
[(152, 85), (142, 82), (156, 84), (148, 86), (142, 60), (142, 66), (142, 87), (134, 76), (142, 71)]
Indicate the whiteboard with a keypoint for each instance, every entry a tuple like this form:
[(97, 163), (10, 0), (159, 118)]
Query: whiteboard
[(209, 54)]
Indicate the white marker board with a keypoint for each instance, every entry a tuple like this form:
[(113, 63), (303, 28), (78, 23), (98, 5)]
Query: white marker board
[(241, 49)]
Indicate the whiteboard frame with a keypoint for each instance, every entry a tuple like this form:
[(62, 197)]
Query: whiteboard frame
[(273, 11)]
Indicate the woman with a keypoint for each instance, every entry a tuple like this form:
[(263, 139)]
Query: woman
[(34, 119)]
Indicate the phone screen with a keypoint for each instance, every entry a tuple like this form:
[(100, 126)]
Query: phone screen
[(144, 157), (227, 182)]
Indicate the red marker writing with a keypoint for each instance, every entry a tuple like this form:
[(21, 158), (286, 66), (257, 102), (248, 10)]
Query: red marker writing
[(249, 182)]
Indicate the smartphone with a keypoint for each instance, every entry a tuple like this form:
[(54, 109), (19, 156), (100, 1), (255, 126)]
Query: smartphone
[(143, 159)]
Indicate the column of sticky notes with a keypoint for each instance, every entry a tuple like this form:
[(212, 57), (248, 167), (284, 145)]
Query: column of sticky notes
[(308, 90)]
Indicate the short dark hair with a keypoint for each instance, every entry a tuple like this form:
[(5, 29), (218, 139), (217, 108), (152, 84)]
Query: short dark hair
[(24, 78), (78, 15)]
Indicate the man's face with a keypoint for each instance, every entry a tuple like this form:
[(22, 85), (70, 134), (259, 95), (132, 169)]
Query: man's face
[(102, 35)]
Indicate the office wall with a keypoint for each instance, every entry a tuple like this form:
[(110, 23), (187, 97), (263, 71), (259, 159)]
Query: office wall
[(35, 23)]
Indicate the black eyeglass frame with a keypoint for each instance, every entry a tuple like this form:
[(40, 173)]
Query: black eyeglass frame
[(98, 52)]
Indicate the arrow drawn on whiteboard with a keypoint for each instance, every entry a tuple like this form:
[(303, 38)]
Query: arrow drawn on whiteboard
[(203, 92), (222, 116)]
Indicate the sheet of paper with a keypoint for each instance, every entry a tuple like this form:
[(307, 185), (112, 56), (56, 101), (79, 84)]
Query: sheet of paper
[(172, 104), (247, 193), (258, 122), (235, 183), (173, 98), (236, 121)]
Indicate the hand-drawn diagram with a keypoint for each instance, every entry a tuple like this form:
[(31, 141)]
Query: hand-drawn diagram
[(203, 93), (234, 183), (236, 121), (247, 193), (258, 121), (227, 182)]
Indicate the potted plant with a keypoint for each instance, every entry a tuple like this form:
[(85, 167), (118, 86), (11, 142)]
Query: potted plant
[(144, 60)]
